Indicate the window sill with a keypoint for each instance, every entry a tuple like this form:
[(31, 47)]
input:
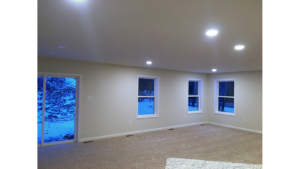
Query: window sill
[(226, 114), (195, 112), (146, 116)]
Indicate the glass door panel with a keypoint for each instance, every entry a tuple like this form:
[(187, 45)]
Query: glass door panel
[(60, 109), (40, 81)]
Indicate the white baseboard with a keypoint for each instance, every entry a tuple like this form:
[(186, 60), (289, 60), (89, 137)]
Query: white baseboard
[(139, 131), (238, 128), (165, 128)]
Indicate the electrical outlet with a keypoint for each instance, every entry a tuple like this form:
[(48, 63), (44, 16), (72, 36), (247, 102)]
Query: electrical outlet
[(244, 119), (130, 122)]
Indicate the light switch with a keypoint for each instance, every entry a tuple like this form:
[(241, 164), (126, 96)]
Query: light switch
[(90, 98)]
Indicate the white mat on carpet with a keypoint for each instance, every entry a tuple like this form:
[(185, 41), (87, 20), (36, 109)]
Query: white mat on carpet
[(180, 163)]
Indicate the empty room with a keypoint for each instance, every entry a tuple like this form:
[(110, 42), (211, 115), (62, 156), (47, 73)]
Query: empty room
[(149, 84)]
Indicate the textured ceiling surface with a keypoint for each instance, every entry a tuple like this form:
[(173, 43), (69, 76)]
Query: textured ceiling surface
[(170, 33)]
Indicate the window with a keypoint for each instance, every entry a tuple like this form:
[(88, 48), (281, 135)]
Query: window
[(224, 97), (194, 96), (147, 97)]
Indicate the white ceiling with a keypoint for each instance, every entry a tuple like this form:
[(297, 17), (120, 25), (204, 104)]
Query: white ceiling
[(170, 33)]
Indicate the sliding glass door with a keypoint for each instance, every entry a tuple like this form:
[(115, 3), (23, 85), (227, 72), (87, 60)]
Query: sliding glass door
[(57, 100)]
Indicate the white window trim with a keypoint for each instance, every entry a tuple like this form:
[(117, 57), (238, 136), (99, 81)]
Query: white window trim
[(156, 88), (200, 96), (216, 95)]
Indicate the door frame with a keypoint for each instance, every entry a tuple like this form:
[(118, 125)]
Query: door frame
[(77, 105)]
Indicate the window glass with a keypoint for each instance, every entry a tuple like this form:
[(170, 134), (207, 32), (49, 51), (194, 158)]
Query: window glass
[(193, 88), (226, 88), (193, 104), (226, 104), (40, 108), (145, 105), (146, 87), (60, 109)]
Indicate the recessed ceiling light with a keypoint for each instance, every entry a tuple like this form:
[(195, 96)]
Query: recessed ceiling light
[(211, 32), (61, 46), (149, 62), (78, 0), (214, 70), (239, 47)]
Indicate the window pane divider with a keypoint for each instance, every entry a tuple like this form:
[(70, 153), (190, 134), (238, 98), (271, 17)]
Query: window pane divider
[(227, 96)]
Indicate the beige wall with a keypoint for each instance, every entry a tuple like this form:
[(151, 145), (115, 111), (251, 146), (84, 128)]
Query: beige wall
[(114, 91), (248, 100)]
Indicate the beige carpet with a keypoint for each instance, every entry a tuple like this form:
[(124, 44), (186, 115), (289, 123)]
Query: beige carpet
[(181, 163), (151, 150)]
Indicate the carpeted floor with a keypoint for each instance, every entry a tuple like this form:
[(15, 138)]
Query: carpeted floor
[(151, 150)]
